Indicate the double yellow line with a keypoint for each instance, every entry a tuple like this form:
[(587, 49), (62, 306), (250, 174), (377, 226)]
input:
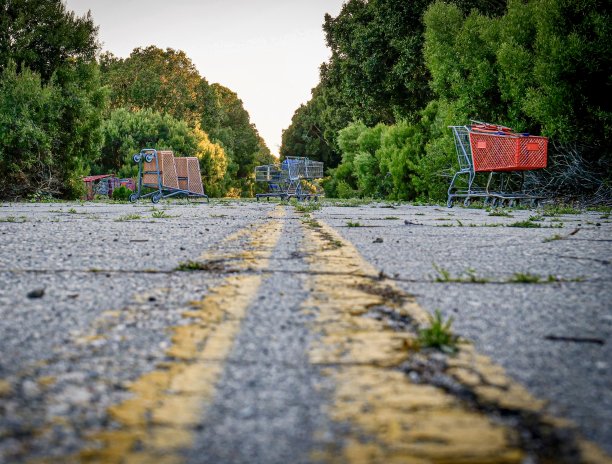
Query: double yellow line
[(393, 419)]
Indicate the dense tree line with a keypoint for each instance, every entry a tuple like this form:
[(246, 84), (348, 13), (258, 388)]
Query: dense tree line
[(67, 111), (160, 100), (51, 98), (401, 72)]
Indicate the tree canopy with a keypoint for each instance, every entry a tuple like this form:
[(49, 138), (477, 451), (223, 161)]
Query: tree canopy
[(401, 72), (51, 98), (168, 83)]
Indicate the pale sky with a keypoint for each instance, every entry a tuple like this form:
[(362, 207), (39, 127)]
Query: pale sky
[(267, 51)]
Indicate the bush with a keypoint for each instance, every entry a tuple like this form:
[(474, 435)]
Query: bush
[(121, 193)]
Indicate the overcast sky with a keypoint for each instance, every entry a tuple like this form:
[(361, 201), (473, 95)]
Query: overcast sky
[(267, 51)]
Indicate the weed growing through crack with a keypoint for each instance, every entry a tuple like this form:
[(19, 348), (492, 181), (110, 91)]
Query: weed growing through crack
[(353, 224), (128, 217), (470, 276), (528, 278), (160, 215), (390, 218), (13, 219), (536, 218), (191, 266), (553, 238), (72, 211), (526, 224), (525, 278), (439, 334), (312, 223), (306, 207), (555, 210), (500, 212)]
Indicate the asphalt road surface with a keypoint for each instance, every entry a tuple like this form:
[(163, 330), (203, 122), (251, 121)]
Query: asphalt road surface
[(238, 331)]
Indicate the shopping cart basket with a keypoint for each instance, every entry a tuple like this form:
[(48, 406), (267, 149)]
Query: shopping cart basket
[(494, 149), (167, 176), (285, 180)]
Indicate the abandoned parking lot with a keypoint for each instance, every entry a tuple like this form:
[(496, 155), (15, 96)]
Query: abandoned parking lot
[(243, 331)]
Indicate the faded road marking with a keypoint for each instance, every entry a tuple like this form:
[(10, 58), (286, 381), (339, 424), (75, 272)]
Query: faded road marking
[(393, 420), (158, 421)]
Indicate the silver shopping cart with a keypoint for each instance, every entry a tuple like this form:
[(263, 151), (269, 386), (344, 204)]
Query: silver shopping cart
[(285, 179)]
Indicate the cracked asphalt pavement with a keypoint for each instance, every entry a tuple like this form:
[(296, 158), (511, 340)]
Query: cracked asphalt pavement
[(243, 331)]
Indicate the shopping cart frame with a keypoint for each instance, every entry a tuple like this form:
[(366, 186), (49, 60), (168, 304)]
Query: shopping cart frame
[(285, 180), (159, 190), (503, 194)]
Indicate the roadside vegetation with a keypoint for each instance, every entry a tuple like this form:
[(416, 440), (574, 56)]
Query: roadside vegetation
[(401, 73), (69, 110)]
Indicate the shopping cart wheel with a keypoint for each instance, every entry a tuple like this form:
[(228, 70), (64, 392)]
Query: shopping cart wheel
[(467, 202), (137, 157), (449, 203), (156, 197), (133, 197), (149, 157)]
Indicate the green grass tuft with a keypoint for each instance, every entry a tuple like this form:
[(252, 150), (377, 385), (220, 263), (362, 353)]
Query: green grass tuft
[(500, 212), (128, 217), (439, 334), (526, 224), (191, 266)]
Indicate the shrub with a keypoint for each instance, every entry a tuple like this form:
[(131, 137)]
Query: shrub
[(121, 193)]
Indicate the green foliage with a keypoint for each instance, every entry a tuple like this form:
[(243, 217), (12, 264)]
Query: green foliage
[(160, 215), (556, 210), (188, 266), (128, 217), (444, 276), (500, 213), (121, 193), (161, 80), (51, 100), (525, 278), (233, 129), (314, 127), (127, 132), (44, 36), (209, 117), (439, 334), (525, 224), (306, 207), (406, 71)]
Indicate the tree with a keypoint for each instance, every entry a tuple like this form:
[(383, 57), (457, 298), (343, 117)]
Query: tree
[(43, 36), (127, 132), (167, 82), (233, 129), (163, 80), (376, 49), (51, 98)]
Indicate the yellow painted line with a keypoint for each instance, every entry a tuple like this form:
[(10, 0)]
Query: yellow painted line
[(158, 420), (392, 419)]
